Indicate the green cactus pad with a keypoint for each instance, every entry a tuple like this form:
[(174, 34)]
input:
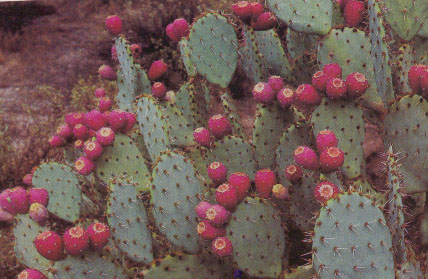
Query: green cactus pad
[(302, 272), (423, 32), (128, 221), (152, 126), (420, 51), (123, 158), (185, 57), (192, 105), (307, 16), (231, 113), (304, 67), (345, 119), (251, 58), (176, 191), (65, 195), (405, 128), (236, 154), (257, 238), (351, 50), (299, 43), (213, 48), (410, 270), (404, 61), (201, 158), (138, 140), (351, 240), (25, 231), (406, 17)]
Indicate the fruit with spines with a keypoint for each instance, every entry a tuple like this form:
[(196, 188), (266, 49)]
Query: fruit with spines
[(99, 234), (39, 213), (217, 215), (331, 159), (80, 131), (280, 192), (84, 166), (159, 90), (99, 92), (114, 25), (325, 191), (226, 195), (217, 171), (50, 245), (242, 9), (264, 181), (157, 69), (263, 93), (64, 131), (56, 141), (202, 136), (202, 208), (414, 76), (306, 157), (106, 72), (95, 120), (74, 118), (325, 139), (332, 70), (76, 240), (319, 80), (31, 273), (181, 28), (353, 13), (293, 173), (306, 94), (117, 119), (336, 89), (209, 232), (356, 84), (105, 136), (93, 150), (286, 97), (265, 21), (219, 126), (104, 104), (242, 183), (222, 246), (276, 83)]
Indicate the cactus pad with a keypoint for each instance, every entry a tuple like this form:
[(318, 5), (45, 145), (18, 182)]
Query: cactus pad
[(251, 58), (231, 113), (194, 108), (299, 43), (185, 57)]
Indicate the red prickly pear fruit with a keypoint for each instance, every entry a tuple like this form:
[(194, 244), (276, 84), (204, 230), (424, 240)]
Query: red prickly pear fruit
[(84, 166), (306, 157), (357, 85), (79, 144), (105, 136), (107, 72), (353, 13), (5, 216), (93, 150), (217, 172), (242, 183), (104, 104), (414, 75), (39, 213), (64, 131), (170, 32), (76, 240), (95, 120), (265, 21), (181, 28), (217, 215), (286, 97), (264, 181), (276, 83), (74, 118), (325, 139), (332, 70), (80, 131), (114, 25), (136, 50), (19, 199), (30, 273), (242, 10), (56, 141), (159, 90), (92, 133), (280, 192), (38, 195), (226, 196), (219, 126), (117, 120), (331, 159), (293, 173), (307, 95), (342, 4), (130, 122), (6, 203), (336, 89), (222, 246), (50, 245), (319, 80), (100, 92), (28, 179), (157, 70), (202, 136), (263, 93), (256, 9), (325, 190), (209, 232), (202, 208), (99, 233), (423, 82)]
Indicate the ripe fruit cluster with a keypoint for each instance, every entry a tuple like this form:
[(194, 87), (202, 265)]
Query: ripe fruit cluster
[(254, 14), (218, 126)]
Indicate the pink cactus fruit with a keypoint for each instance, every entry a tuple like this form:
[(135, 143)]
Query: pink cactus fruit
[(280, 192), (336, 89), (79, 144), (74, 118), (331, 159), (130, 122), (276, 83), (319, 80), (306, 157), (56, 141), (6, 203), (202, 208), (28, 179), (100, 92), (157, 70), (76, 240), (325, 190), (293, 173), (264, 181), (80, 131), (181, 28), (106, 72), (307, 95), (95, 120), (242, 9), (64, 131), (5, 216), (117, 120), (217, 215), (170, 32), (99, 234), (263, 93), (159, 90), (357, 85), (114, 25), (226, 196), (84, 166), (353, 13), (325, 139), (414, 76), (242, 183), (105, 136), (18, 197), (286, 97), (209, 232), (265, 21), (104, 104), (93, 150), (332, 70), (222, 246), (30, 273), (39, 195), (202, 136), (39, 213), (136, 50), (256, 9), (217, 172), (219, 126), (50, 245)]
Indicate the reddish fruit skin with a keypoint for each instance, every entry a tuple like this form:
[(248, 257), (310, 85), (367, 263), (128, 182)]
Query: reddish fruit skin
[(50, 245), (286, 97), (114, 53), (93, 150), (80, 131), (353, 13), (222, 246), (202, 208), (64, 131), (39, 213), (423, 82), (242, 10), (159, 90), (105, 136), (332, 70), (38, 195), (276, 83), (242, 184), (331, 159), (342, 4), (5, 216), (56, 141), (293, 172), (106, 72), (336, 89), (170, 32), (217, 215), (414, 75), (114, 25), (306, 157), (265, 21), (95, 120), (280, 192), (28, 179), (209, 232), (181, 28), (117, 120), (226, 196), (306, 94), (84, 166), (264, 181), (99, 234), (6, 203), (325, 139), (325, 190), (319, 80), (202, 136), (19, 199), (74, 118), (217, 172), (76, 240), (263, 93), (136, 50), (130, 122), (30, 273), (219, 126), (99, 92), (104, 104), (357, 85), (157, 70), (79, 144), (256, 9)]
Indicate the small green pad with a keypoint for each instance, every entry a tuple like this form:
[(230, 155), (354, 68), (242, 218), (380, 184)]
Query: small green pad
[(351, 240), (192, 104), (185, 57), (257, 238), (65, 195), (251, 58), (123, 158), (213, 48), (299, 43), (307, 16), (404, 61), (176, 191)]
